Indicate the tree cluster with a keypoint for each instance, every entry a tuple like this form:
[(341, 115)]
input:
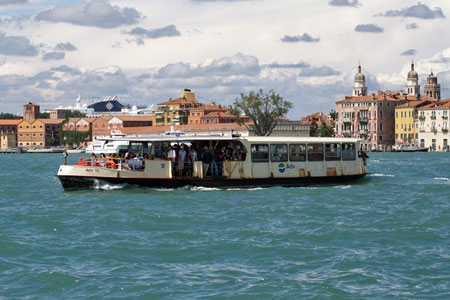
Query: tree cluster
[(263, 110), (8, 116)]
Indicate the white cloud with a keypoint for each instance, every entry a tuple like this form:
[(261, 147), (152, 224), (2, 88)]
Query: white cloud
[(419, 10), (98, 13)]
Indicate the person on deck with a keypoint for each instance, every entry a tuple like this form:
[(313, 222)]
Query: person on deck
[(172, 156), (206, 158), (181, 160)]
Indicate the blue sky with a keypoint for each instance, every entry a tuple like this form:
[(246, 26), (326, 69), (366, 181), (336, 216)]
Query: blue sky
[(149, 51)]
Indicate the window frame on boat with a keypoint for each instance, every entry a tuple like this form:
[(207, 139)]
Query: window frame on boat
[(315, 155), (333, 151), (297, 152), (253, 153), (345, 152), (273, 152)]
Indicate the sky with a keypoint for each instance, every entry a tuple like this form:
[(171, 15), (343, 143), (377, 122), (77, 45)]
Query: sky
[(147, 51)]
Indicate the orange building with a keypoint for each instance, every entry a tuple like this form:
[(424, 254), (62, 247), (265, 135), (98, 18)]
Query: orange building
[(31, 134), (197, 113), (319, 118)]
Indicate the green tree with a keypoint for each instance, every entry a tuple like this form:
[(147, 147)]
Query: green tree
[(333, 115), (74, 114), (324, 130), (263, 110), (313, 128), (44, 115), (8, 116)]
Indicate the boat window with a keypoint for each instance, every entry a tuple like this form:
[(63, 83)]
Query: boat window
[(315, 152), (348, 151), (136, 147), (332, 152), (297, 152), (278, 152), (260, 152), (160, 148)]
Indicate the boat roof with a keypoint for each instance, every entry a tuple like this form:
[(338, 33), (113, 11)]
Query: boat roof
[(252, 139)]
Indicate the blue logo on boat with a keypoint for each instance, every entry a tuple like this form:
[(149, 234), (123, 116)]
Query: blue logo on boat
[(163, 165), (281, 168)]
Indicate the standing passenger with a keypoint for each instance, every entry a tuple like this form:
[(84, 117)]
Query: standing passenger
[(181, 160)]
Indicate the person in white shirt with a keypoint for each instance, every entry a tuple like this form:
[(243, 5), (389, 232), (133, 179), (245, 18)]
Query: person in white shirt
[(172, 156), (181, 160)]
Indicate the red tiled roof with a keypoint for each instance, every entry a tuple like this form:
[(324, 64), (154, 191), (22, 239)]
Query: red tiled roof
[(210, 107), (8, 122), (413, 104), (176, 101), (219, 115), (383, 97), (135, 118), (51, 121)]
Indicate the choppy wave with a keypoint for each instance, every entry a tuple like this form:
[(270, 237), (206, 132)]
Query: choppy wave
[(381, 175), (442, 178)]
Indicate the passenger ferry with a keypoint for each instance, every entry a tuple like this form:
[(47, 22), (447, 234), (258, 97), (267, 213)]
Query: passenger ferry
[(171, 161)]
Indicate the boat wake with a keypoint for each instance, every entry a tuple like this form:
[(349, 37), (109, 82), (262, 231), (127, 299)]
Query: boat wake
[(442, 180), (100, 185), (343, 187), (381, 175)]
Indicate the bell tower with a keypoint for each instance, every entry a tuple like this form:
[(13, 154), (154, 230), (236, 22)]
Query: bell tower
[(412, 85), (360, 89), (31, 112), (432, 88)]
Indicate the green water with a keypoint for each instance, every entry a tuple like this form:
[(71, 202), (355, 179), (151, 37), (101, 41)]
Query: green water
[(385, 237)]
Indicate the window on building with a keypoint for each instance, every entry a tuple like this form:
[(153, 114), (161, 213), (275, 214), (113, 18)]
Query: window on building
[(381, 137), (381, 126)]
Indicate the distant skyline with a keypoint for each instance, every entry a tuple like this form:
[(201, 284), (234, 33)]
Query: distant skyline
[(305, 50)]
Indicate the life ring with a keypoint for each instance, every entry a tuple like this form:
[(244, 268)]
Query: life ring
[(110, 164)]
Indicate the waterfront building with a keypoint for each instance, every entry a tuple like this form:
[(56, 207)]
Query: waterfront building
[(57, 114), (9, 126), (175, 111), (434, 125), (8, 133), (197, 113), (8, 140), (31, 134), (406, 122), (371, 118), (100, 127)]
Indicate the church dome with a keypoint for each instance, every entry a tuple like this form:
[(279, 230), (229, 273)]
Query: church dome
[(360, 76), (412, 75)]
